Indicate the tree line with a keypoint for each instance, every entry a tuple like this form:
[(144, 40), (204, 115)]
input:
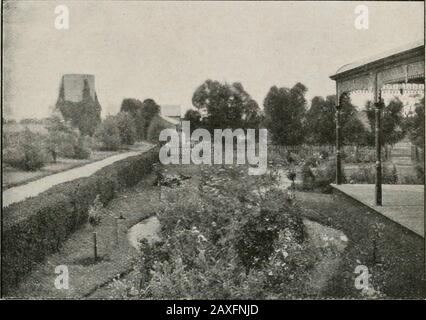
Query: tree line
[(291, 122)]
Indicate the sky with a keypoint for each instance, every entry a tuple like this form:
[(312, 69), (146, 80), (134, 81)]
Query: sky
[(165, 50)]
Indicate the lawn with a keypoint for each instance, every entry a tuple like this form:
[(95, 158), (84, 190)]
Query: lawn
[(398, 268)]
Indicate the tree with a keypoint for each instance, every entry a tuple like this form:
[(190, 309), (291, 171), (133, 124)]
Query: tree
[(284, 112), (391, 121), (132, 106), (226, 105), (85, 114), (127, 127), (320, 124), (107, 134), (148, 111), (415, 124), (194, 118), (353, 130)]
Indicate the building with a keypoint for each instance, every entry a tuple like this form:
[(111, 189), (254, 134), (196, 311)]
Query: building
[(72, 87), (171, 111)]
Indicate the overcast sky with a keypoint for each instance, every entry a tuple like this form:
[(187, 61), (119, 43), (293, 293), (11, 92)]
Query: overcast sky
[(165, 50)]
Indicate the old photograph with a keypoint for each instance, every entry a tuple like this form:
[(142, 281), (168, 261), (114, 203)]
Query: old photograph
[(213, 150)]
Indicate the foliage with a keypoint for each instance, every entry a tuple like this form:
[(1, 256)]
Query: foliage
[(156, 125), (415, 124), (85, 114), (27, 152), (126, 127), (194, 118), (37, 226), (226, 105), (107, 134), (146, 114), (367, 174), (320, 121), (226, 242), (392, 125), (95, 212), (284, 113), (64, 140)]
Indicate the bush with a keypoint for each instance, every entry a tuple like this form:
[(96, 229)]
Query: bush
[(157, 124), (38, 226), (367, 174), (107, 135), (27, 154), (127, 128)]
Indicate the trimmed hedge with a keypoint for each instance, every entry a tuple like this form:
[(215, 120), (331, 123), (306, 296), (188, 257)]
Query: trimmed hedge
[(36, 227)]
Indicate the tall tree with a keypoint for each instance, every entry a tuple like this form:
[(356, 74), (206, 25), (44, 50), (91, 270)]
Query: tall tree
[(284, 112), (145, 115), (320, 125), (226, 105), (391, 122)]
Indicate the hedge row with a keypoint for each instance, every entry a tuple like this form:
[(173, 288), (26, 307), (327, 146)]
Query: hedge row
[(38, 226)]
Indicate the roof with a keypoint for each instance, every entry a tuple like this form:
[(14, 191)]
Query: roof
[(379, 57), (169, 110), (170, 120)]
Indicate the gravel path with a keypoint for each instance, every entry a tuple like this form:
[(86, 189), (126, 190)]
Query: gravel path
[(36, 187)]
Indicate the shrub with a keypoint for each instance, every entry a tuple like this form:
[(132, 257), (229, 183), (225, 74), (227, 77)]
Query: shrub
[(107, 135), (127, 128), (37, 226), (157, 124), (28, 153)]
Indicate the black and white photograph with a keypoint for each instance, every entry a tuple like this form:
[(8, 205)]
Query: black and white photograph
[(213, 150)]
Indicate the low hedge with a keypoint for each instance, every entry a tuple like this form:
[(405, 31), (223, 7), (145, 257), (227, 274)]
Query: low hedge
[(36, 227)]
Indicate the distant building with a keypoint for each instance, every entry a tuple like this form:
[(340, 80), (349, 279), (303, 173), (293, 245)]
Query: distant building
[(73, 85), (78, 102), (171, 111)]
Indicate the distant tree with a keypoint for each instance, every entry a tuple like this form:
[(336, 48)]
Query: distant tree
[(284, 113), (107, 134), (132, 106), (353, 129), (127, 126), (391, 121), (227, 105), (320, 125), (194, 118), (415, 124), (85, 114), (148, 111)]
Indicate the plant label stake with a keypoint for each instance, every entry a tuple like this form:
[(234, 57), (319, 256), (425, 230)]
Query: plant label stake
[(95, 247)]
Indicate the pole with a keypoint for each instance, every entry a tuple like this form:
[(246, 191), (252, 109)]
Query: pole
[(338, 145), (378, 141), (95, 247)]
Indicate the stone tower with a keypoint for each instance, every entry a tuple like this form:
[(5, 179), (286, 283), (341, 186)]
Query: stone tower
[(73, 86)]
